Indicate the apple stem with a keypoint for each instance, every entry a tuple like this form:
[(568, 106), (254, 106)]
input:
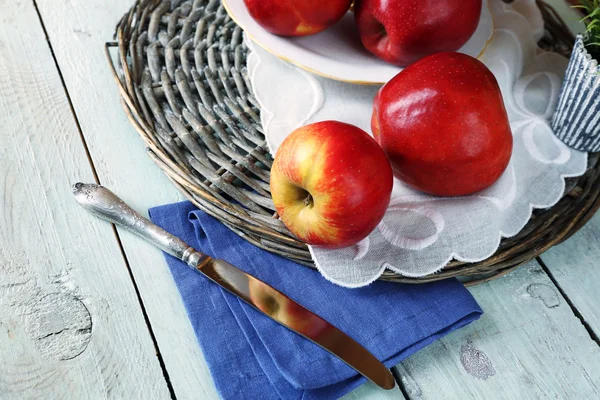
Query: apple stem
[(308, 201)]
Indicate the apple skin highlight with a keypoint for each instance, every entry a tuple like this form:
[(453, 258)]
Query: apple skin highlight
[(404, 31), (297, 17), (443, 125), (331, 184)]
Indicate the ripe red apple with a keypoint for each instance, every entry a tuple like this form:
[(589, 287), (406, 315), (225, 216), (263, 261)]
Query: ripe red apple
[(443, 125), (297, 17), (404, 31), (331, 183)]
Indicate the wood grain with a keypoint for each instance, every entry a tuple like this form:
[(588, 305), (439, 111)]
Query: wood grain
[(70, 322), (369, 391), (574, 267), (77, 30), (527, 345)]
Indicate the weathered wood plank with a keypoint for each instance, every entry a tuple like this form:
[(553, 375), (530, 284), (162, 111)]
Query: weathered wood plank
[(70, 321), (77, 31), (528, 344), (574, 266), (369, 391)]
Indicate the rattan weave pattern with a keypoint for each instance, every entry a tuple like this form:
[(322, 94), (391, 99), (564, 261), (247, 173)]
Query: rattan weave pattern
[(181, 69)]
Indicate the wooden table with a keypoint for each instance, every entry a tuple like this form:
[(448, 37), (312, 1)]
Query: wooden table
[(87, 311)]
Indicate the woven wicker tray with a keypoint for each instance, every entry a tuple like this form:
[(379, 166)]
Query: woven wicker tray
[(181, 70)]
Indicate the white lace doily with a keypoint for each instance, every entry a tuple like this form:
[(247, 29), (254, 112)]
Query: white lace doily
[(420, 233)]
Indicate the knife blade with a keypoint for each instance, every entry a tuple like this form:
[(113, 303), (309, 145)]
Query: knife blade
[(103, 203)]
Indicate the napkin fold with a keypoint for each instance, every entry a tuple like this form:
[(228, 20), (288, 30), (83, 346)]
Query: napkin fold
[(251, 356)]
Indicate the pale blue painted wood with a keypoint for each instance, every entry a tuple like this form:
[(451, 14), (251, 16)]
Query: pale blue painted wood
[(369, 391), (70, 321), (575, 266), (527, 345)]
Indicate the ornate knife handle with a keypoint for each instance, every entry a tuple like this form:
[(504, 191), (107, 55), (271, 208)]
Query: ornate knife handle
[(104, 204)]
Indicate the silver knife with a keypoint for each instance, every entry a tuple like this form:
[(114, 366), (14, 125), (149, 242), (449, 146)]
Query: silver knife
[(105, 204)]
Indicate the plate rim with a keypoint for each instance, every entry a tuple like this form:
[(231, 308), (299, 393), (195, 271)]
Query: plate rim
[(336, 78)]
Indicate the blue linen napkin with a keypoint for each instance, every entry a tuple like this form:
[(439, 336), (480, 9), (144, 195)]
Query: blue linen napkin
[(250, 356)]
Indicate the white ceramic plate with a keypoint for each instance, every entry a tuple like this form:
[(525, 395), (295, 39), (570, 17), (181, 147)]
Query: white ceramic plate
[(337, 52)]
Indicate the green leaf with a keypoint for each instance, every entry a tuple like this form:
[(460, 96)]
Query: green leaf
[(591, 20)]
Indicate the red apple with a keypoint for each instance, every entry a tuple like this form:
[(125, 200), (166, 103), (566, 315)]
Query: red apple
[(404, 31), (297, 17), (443, 125), (331, 183)]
